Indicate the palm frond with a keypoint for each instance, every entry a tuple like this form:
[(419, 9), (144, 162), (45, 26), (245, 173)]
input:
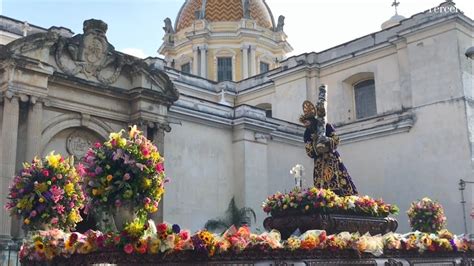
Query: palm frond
[(233, 216), (246, 212), (213, 225)]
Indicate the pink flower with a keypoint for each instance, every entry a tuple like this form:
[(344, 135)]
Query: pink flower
[(33, 213), (80, 169), (128, 248), (147, 200), (184, 235), (159, 167), (118, 203), (126, 176), (55, 220), (59, 208), (45, 172), (57, 193), (145, 152), (97, 145)]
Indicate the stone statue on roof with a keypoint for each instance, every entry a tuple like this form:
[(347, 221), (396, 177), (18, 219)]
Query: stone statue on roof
[(281, 23), (247, 9), (168, 28)]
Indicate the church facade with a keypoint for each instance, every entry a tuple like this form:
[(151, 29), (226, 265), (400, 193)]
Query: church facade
[(401, 100)]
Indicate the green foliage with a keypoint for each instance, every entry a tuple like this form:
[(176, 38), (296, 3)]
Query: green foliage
[(233, 216)]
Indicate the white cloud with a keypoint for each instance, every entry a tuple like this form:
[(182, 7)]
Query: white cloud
[(135, 52)]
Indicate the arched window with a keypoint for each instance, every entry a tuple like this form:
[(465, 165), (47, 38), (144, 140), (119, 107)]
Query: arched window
[(224, 69), (364, 97), (264, 67), (186, 68), (267, 107), (224, 64)]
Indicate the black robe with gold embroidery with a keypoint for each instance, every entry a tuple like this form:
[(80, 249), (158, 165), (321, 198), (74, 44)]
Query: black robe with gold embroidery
[(329, 171)]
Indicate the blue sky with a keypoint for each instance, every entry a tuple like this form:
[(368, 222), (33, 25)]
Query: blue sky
[(136, 26)]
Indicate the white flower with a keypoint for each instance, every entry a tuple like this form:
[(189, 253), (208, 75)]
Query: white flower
[(297, 171)]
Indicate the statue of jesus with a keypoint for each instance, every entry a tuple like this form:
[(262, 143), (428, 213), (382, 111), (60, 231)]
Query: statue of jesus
[(320, 143)]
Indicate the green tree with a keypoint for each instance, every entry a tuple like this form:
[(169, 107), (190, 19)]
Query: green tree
[(233, 216)]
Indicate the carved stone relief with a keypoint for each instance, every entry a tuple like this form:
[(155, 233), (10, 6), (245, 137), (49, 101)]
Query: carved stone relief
[(78, 143), (89, 54)]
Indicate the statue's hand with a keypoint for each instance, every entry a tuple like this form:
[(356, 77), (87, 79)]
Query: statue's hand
[(322, 145)]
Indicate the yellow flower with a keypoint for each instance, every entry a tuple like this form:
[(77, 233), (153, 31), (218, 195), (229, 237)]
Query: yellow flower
[(74, 217), (70, 246), (135, 228), (41, 187), (39, 246), (133, 131), (154, 246), (53, 159), (95, 192), (147, 183), (85, 248), (69, 188), (41, 200), (117, 137)]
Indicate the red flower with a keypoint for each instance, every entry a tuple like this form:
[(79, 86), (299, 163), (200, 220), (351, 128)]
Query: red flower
[(162, 228), (45, 172), (97, 145), (128, 248), (73, 238)]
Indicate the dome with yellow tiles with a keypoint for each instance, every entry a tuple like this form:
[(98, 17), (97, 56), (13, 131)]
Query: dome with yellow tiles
[(224, 10)]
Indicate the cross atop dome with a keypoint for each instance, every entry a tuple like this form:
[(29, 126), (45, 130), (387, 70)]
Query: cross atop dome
[(395, 4)]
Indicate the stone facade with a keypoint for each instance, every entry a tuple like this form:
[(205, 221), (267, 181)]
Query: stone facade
[(62, 93), (419, 143)]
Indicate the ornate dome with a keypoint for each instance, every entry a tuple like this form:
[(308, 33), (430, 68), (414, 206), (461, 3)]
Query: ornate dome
[(224, 10)]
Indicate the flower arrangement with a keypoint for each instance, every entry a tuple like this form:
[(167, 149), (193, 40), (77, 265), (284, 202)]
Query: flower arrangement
[(47, 192), (426, 215), (323, 200), (125, 171), (166, 239)]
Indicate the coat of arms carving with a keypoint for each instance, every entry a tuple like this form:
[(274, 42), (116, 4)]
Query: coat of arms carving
[(89, 54)]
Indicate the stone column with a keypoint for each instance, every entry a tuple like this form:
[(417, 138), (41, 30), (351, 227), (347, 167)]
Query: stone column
[(253, 61), (11, 112), (195, 61), (203, 50), (245, 61), (34, 122)]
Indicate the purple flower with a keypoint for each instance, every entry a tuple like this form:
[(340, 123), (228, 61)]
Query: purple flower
[(98, 170), (126, 159), (117, 154), (198, 244), (176, 229), (40, 208), (48, 195), (455, 248)]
